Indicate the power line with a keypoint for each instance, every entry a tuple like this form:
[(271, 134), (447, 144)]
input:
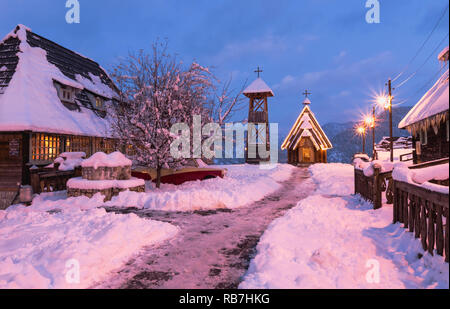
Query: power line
[(433, 78), (425, 62), (422, 46)]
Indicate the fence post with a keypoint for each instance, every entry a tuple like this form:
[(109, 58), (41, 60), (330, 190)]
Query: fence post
[(34, 179), (396, 198), (376, 188)]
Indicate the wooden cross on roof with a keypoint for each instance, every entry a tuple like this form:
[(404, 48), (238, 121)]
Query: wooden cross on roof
[(306, 93), (258, 70)]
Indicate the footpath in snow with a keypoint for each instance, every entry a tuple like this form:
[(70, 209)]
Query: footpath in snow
[(213, 247), (333, 239)]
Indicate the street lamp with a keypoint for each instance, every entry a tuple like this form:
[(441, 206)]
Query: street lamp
[(386, 103), (369, 122), (361, 130)]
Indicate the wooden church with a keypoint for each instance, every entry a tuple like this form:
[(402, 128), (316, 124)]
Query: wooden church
[(306, 142)]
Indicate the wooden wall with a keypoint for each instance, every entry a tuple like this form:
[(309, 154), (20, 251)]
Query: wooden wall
[(317, 156), (11, 159), (437, 146)]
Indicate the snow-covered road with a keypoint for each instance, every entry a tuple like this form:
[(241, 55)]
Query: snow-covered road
[(213, 248)]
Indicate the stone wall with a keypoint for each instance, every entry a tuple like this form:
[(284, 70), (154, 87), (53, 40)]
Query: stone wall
[(107, 173), (108, 193)]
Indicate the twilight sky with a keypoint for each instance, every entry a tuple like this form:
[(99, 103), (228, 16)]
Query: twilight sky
[(324, 46)]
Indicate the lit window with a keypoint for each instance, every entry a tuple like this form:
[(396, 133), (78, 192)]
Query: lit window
[(45, 147), (98, 103)]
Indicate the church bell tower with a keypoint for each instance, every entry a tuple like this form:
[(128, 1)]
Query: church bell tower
[(258, 121)]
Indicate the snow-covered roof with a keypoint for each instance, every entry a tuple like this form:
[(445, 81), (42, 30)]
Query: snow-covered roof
[(433, 103), (306, 126), (28, 97), (258, 86), (306, 101)]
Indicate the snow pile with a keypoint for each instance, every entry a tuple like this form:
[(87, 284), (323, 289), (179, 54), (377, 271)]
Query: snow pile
[(382, 166), (360, 164), (95, 85), (437, 172), (31, 101), (421, 177), (242, 185), (40, 249), (68, 161), (341, 242), (114, 159), (333, 178)]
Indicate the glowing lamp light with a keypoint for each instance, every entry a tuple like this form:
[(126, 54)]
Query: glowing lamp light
[(384, 101), (361, 130), (369, 121)]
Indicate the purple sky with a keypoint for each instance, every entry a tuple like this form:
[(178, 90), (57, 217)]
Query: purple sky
[(325, 46)]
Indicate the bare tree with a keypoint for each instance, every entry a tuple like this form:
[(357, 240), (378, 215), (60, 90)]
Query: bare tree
[(157, 91), (226, 102)]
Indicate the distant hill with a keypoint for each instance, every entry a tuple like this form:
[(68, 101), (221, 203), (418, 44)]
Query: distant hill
[(346, 143)]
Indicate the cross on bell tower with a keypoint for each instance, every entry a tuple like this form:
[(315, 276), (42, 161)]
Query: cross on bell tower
[(258, 139), (258, 70), (306, 93)]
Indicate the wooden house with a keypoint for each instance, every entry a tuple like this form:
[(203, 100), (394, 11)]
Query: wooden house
[(306, 142), (428, 120), (52, 100)]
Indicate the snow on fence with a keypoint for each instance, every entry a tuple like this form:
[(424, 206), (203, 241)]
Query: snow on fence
[(51, 179), (421, 203), (371, 180)]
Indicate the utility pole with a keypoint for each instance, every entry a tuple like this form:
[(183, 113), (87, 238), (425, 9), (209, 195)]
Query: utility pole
[(374, 153), (390, 120), (364, 141)]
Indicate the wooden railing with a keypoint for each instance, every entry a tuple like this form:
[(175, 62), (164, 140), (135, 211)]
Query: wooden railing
[(51, 179), (371, 188), (424, 213), (406, 157)]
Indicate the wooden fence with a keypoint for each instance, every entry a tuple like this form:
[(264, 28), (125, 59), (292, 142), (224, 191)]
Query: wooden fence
[(51, 179), (424, 213), (371, 188)]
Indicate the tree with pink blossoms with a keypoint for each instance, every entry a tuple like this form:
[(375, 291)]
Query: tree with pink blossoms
[(156, 92)]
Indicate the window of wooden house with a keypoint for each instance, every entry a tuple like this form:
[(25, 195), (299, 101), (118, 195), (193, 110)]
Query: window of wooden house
[(65, 93), (423, 137), (98, 103), (79, 144), (109, 145), (45, 147)]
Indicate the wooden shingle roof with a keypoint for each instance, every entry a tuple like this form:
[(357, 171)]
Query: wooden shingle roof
[(306, 126), (29, 65)]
